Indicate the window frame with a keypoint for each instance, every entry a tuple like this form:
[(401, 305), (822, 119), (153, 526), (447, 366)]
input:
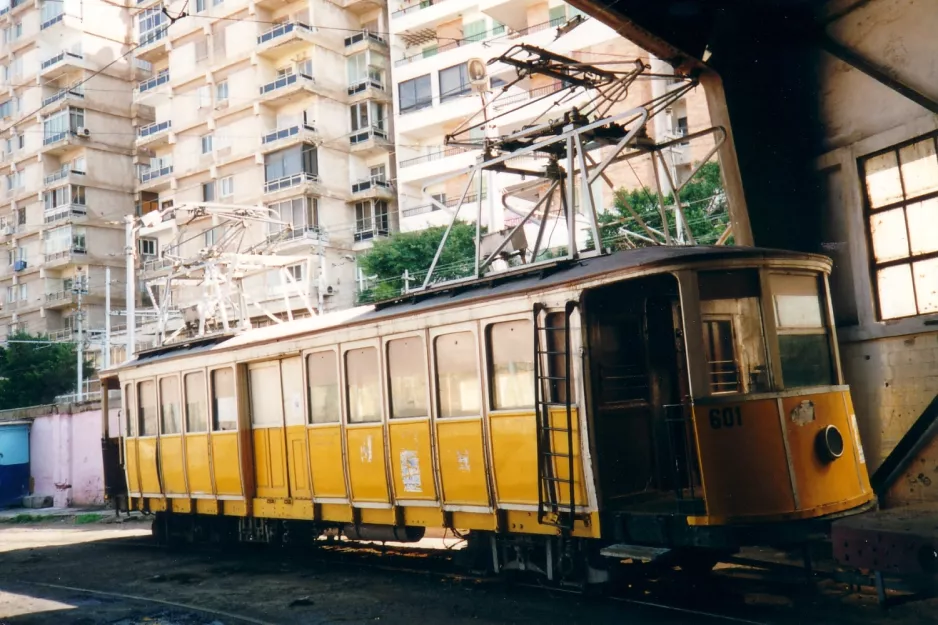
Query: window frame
[(339, 370), (159, 403), (418, 104), (489, 363), (205, 400), (210, 388), (386, 376), (375, 344), (129, 403), (139, 412), (869, 212), (433, 335)]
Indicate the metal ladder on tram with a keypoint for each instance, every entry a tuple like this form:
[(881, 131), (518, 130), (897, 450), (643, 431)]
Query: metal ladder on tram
[(551, 509)]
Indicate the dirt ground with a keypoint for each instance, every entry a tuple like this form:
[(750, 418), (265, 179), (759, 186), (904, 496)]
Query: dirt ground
[(104, 573)]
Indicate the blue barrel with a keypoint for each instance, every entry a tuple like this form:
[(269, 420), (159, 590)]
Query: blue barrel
[(14, 463)]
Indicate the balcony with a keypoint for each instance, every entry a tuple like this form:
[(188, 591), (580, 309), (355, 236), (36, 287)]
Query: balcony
[(366, 229), (64, 173), (59, 299), (296, 184), (58, 143), (285, 137), (156, 179), (436, 163), (368, 89), (52, 21), (155, 134), (296, 235), (424, 120), (365, 40), (151, 87), (432, 208), (153, 44), (372, 188), (64, 94), (287, 89), (363, 6), (62, 62), (74, 254), (285, 39), (369, 141), (450, 45), (415, 18), (64, 212)]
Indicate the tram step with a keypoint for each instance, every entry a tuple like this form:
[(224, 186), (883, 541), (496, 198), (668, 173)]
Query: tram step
[(634, 552)]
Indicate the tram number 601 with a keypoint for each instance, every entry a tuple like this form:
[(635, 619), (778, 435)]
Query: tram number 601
[(726, 418)]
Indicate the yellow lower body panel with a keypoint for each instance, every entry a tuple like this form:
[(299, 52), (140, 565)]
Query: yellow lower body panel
[(299, 509), (198, 469), (226, 463), (172, 465), (325, 461), (366, 465), (132, 466), (149, 473), (270, 462)]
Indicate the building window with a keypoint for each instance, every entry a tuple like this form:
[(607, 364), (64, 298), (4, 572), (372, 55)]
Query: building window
[(210, 237), (148, 247), (221, 91), (207, 141), (227, 186), (200, 5), (151, 25), (297, 215), (371, 219), (366, 115), (474, 31), (557, 15), (208, 191), (902, 216), (454, 82), (415, 94), (205, 96), (291, 162), (296, 272)]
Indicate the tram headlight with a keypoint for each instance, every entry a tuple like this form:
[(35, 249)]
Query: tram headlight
[(829, 444)]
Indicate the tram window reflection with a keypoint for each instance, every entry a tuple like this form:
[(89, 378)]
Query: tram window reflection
[(224, 403), (323, 375), (458, 375), (363, 385), (169, 406), (196, 417), (407, 378), (803, 342), (734, 337), (146, 412), (511, 354)]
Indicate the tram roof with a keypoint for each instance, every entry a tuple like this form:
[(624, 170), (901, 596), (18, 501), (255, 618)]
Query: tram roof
[(497, 285)]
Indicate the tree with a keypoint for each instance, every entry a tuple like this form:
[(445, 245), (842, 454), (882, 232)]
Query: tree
[(34, 373), (413, 252), (702, 198)]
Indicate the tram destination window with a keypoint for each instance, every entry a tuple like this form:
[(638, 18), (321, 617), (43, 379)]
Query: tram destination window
[(224, 402), (196, 415), (170, 415), (407, 378), (323, 375), (363, 385), (734, 338), (511, 358), (129, 409), (457, 374), (146, 412), (803, 342)]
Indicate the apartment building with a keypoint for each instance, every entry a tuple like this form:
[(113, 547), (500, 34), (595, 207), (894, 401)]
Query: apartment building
[(66, 150), (285, 105), (434, 40)]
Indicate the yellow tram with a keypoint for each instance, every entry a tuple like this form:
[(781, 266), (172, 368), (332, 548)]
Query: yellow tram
[(685, 399)]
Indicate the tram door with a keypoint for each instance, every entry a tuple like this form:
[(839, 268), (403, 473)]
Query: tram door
[(277, 424), (635, 383)]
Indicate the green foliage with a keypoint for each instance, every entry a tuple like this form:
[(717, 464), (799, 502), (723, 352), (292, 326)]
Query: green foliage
[(702, 198), (32, 374), (413, 252), (88, 517)]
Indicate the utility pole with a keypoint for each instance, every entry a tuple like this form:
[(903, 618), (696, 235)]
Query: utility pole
[(107, 317), (78, 286), (131, 286), (321, 251)]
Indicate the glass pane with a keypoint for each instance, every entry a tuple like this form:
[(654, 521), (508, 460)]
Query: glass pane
[(721, 356), (291, 376), (919, 168), (797, 302), (266, 403), (146, 396), (323, 387), (883, 185), (224, 403), (890, 238), (458, 375), (511, 352), (169, 406), (733, 296), (923, 226), (926, 285), (806, 360), (364, 393), (408, 378), (129, 410), (896, 297), (196, 414)]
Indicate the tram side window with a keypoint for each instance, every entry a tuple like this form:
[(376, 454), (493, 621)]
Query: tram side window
[(129, 409), (734, 338), (363, 385), (196, 417), (457, 374), (224, 402), (511, 358), (407, 378), (323, 374), (803, 342), (169, 406), (146, 411)]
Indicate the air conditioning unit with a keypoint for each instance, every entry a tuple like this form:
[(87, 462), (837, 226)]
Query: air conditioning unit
[(8, 230), (330, 290), (19, 265), (83, 132)]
